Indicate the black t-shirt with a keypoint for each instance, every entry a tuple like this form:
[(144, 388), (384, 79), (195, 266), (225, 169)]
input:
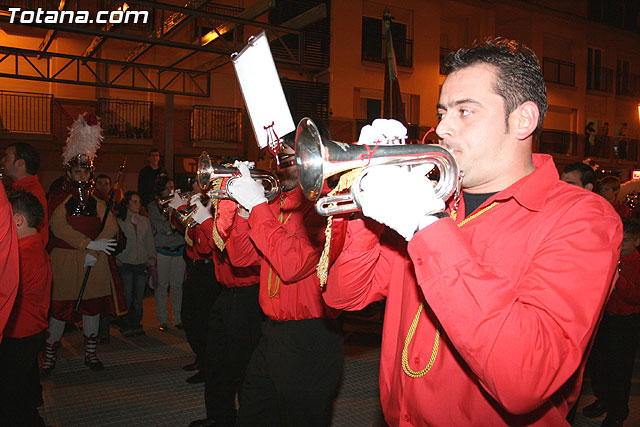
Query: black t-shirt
[(146, 183), (473, 201)]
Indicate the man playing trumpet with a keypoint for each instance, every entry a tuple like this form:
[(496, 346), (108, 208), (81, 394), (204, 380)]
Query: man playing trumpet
[(483, 323), (292, 377)]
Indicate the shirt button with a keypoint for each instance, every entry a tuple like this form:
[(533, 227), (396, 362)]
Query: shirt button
[(419, 261), (406, 417)]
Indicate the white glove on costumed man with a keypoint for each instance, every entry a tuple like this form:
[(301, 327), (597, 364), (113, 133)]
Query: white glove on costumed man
[(105, 245), (399, 198), (90, 260), (245, 190), (176, 201)]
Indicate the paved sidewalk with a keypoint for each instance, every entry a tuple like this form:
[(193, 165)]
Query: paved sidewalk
[(143, 383)]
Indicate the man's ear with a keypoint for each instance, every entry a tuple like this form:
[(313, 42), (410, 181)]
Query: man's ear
[(589, 187), (18, 219), (526, 120)]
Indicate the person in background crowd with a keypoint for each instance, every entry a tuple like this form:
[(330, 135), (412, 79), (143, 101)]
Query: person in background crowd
[(200, 288), (614, 349), (302, 341), (589, 140), (169, 254), (21, 163), (21, 393), (103, 186), (235, 319), (9, 261), (78, 243), (134, 261), (579, 174), (482, 324), (609, 188), (147, 177)]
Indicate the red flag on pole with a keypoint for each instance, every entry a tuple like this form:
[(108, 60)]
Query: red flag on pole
[(393, 107)]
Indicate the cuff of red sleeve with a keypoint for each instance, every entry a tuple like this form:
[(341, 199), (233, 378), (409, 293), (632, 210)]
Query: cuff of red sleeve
[(435, 250)]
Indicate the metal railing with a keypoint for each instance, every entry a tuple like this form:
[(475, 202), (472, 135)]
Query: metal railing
[(600, 78), (25, 112), (403, 49), (556, 71), (125, 119), (628, 85), (216, 124), (558, 142)]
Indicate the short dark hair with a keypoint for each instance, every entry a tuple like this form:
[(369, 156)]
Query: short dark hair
[(612, 181), (587, 174), (103, 176), (153, 150), (159, 184), (519, 78), (631, 226), (29, 154), (27, 205)]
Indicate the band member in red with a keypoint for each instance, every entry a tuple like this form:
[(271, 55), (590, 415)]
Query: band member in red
[(79, 246), (9, 271), (301, 342), (21, 393), (21, 163), (492, 305), (234, 323)]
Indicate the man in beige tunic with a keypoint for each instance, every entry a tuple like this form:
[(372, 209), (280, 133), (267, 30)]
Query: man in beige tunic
[(79, 244)]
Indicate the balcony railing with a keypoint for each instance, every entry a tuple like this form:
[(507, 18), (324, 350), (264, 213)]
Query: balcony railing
[(600, 78), (628, 85), (25, 112), (558, 142), (216, 124), (556, 71), (125, 119), (403, 49)]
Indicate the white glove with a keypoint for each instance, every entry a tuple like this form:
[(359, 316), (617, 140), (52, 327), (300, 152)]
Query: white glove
[(90, 260), (245, 190), (105, 245), (176, 202), (202, 212), (399, 198), (383, 131)]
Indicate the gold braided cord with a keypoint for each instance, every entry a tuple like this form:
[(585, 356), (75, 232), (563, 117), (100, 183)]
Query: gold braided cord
[(346, 180), (414, 325), (283, 221), (216, 184), (405, 351)]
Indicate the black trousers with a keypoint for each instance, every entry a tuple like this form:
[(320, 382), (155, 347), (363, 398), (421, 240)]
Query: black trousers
[(293, 375), (234, 330), (199, 292), (20, 389), (611, 362)]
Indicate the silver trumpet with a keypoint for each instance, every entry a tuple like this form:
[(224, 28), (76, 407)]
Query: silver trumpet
[(318, 159), (184, 215), (208, 172)]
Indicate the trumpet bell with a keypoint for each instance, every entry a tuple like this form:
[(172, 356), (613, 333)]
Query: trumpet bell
[(318, 158)]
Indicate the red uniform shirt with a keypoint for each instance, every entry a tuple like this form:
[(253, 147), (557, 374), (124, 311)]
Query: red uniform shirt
[(625, 298), (226, 273), (32, 185), (287, 237), (9, 260), (515, 293), (30, 311)]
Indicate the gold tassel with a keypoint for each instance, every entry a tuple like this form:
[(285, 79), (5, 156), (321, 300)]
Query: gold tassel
[(346, 180), (217, 239)]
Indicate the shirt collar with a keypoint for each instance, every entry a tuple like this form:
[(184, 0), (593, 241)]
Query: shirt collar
[(28, 180), (531, 191), (29, 240)]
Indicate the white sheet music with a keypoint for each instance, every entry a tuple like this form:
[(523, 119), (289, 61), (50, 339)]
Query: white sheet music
[(261, 89)]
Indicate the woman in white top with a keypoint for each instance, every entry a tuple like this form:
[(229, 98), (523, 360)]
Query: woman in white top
[(134, 261)]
